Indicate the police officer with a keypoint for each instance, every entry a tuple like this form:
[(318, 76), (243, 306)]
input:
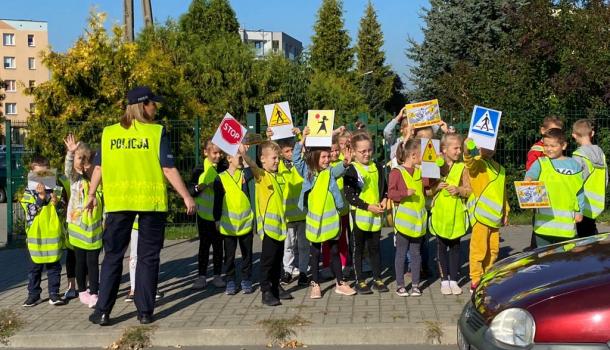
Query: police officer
[(133, 162)]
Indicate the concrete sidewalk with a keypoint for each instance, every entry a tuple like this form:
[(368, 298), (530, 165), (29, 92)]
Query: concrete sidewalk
[(194, 318)]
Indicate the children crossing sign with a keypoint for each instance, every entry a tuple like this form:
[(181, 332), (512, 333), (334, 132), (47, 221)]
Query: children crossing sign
[(484, 127), (279, 120), (320, 123)]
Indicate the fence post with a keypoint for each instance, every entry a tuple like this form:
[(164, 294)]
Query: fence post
[(9, 180), (197, 142)]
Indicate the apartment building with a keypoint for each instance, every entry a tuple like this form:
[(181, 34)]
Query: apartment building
[(266, 42), (22, 42)]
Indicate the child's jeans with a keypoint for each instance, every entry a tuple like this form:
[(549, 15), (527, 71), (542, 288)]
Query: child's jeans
[(406, 244), (35, 277)]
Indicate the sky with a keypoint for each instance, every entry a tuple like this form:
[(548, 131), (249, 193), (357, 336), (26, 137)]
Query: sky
[(399, 19)]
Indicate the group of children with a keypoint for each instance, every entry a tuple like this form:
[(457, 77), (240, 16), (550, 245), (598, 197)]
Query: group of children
[(330, 203)]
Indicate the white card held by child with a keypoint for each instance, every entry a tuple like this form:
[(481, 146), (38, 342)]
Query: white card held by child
[(46, 177), (422, 114), (484, 127), (532, 194), (229, 135), (320, 123), (279, 120), (430, 149)]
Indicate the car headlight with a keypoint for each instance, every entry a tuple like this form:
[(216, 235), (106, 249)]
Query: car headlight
[(514, 327)]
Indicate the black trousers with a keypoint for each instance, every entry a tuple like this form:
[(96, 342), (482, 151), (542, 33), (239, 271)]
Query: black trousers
[(586, 228), (87, 264), (209, 237), (371, 241), (116, 239), (35, 277), (272, 254), (335, 260), (448, 268), (70, 263), (245, 245)]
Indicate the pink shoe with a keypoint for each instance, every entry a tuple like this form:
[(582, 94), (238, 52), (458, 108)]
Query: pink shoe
[(92, 301), (84, 297)]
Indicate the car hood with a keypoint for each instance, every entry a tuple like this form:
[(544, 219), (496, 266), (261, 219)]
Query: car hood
[(524, 279)]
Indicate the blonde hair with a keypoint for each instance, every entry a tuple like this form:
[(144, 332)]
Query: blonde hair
[(265, 145), (135, 112), (451, 136), (583, 127)]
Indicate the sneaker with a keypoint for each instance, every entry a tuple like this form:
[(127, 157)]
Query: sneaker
[(402, 292), (445, 288), (231, 288), (218, 282), (269, 299), (200, 283), (92, 301), (295, 273), (344, 289), (159, 295), (71, 294), (84, 297), (379, 286), (303, 280), (56, 300), (246, 287), (129, 297), (31, 300), (415, 292), (315, 292), (455, 288), (363, 288), (286, 278), (284, 294)]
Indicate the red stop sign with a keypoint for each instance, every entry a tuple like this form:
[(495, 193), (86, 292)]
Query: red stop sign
[(230, 130)]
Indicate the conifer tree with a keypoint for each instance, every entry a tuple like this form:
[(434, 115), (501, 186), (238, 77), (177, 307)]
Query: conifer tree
[(330, 50)]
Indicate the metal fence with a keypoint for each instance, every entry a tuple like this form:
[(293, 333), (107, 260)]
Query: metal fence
[(518, 131)]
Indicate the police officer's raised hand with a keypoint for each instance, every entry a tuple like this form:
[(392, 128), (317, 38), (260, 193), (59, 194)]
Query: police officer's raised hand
[(191, 207)]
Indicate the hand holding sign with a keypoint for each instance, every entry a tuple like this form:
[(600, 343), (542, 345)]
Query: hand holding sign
[(484, 127), (229, 135)]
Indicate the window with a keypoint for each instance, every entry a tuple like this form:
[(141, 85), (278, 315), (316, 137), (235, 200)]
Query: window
[(31, 63), (32, 107), (32, 83), (10, 108), (31, 42), (9, 62), (8, 39), (10, 85), (276, 45), (259, 45)]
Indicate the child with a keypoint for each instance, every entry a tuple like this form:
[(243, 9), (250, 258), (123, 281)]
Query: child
[(595, 174), (271, 222), (71, 292), (320, 199), (133, 263), (44, 236), (84, 227), (562, 177), (203, 191), (365, 189), (449, 215), (488, 209), (537, 149), (407, 191), (232, 208)]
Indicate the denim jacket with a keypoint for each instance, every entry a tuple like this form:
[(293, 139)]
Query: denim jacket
[(335, 172)]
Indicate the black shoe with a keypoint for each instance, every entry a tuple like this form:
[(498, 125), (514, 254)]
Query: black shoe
[(285, 295), (145, 319), (303, 280), (286, 278), (32, 300), (101, 318), (270, 300), (379, 286), (56, 300), (363, 288)]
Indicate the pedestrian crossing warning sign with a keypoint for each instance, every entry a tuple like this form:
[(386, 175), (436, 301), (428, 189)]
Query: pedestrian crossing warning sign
[(429, 152), (279, 117), (484, 127)]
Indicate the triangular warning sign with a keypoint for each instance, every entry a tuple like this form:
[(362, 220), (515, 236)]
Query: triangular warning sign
[(429, 152), (279, 117), (485, 124)]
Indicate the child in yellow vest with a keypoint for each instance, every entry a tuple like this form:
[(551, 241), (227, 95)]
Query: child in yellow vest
[(449, 214), (595, 174), (488, 209), (366, 190), (202, 189), (271, 221), (562, 177)]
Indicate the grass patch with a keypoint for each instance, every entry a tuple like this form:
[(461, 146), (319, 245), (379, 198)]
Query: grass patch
[(180, 232), (434, 332), (134, 338), (521, 217), (280, 330), (10, 323)]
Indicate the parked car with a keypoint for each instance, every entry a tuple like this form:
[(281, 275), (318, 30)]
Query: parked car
[(554, 297)]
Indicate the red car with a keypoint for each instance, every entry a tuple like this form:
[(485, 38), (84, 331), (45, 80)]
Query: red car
[(552, 298)]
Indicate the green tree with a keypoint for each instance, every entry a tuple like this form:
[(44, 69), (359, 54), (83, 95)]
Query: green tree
[(330, 50), (206, 20), (330, 91), (376, 78)]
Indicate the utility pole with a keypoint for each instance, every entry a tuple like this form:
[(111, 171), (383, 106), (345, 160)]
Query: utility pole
[(129, 17)]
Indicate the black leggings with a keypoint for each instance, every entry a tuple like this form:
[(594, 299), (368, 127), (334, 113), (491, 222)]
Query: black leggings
[(70, 263), (87, 264), (335, 260), (371, 240), (449, 270), (209, 237)]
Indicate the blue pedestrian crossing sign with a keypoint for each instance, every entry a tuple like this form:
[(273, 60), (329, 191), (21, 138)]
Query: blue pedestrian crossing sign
[(484, 126)]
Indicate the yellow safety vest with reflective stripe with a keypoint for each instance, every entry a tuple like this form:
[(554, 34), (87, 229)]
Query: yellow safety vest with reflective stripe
[(205, 199), (345, 209), (65, 183), (322, 220), (87, 234), (132, 176), (291, 185), (44, 235), (270, 219), (237, 216), (449, 215), (488, 208), (364, 219), (410, 215), (594, 187), (558, 221)]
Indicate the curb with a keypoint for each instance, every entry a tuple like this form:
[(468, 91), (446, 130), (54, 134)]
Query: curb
[(378, 334)]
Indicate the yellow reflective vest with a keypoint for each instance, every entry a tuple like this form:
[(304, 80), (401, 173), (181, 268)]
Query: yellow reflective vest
[(269, 207), (87, 234), (488, 208), (410, 214), (449, 215), (44, 235), (205, 199), (322, 220), (594, 187), (364, 219), (132, 176), (291, 184), (237, 216)]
